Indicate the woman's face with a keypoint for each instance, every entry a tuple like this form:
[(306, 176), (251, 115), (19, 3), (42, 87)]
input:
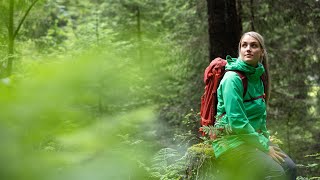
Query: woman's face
[(250, 50)]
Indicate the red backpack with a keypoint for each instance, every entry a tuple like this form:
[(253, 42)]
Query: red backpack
[(212, 77)]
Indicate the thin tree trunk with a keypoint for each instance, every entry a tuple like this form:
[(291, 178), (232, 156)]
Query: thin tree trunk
[(239, 11), (224, 28), (252, 15), (97, 34), (97, 26), (288, 134), (11, 38), (139, 33), (12, 33)]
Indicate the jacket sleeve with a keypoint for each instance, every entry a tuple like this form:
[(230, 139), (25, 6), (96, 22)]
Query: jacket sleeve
[(263, 127), (232, 91)]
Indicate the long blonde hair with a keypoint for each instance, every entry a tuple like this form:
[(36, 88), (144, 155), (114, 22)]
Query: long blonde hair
[(263, 60)]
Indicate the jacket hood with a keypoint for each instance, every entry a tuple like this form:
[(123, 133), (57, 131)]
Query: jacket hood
[(240, 65)]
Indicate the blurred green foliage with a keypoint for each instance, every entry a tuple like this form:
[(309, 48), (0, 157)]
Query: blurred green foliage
[(63, 119), (100, 87)]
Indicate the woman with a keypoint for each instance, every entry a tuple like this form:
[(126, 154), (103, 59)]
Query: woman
[(243, 146)]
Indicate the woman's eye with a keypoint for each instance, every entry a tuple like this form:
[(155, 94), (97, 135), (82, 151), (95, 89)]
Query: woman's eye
[(244, 45)]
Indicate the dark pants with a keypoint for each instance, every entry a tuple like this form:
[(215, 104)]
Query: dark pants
[(248, 163)]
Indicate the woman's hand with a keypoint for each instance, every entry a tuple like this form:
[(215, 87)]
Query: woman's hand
[(276, 154)]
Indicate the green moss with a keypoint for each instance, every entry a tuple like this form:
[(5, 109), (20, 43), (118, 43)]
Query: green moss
[(201, 149)]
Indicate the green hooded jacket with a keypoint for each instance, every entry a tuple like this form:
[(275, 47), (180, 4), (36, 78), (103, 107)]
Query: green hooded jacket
[(245, 122)]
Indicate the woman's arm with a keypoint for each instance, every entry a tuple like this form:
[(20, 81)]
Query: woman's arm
[(232, 93)]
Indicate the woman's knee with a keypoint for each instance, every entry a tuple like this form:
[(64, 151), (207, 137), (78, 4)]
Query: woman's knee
[(290, 168), (289, 165)]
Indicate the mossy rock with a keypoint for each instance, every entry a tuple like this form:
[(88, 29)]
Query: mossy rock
[(200, 162)]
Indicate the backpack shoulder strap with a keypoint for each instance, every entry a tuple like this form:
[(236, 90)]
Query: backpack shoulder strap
[(244, 80)]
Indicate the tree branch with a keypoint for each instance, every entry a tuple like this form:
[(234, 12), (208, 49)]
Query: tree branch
[(23, 18)]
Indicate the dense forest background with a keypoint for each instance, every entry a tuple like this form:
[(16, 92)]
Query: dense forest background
[(94, 89)]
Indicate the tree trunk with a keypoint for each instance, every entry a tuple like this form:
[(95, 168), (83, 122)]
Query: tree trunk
[(288, 134), (97, 19), (252, 15), (11, 38), (239, 11), (224, 28), (139, 33)]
